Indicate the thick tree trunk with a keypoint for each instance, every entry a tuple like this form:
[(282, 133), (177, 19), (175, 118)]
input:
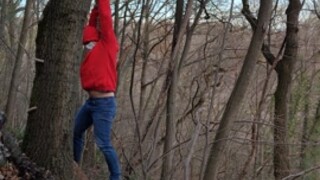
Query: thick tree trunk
[(281, 150), (89, 153), (284, 70), (237, 95), (47, 138)]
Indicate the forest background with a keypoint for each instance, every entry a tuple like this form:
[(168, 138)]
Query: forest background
[(206, 90)]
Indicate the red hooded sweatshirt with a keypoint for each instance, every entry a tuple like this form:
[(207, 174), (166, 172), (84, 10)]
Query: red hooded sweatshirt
[(99, 69)]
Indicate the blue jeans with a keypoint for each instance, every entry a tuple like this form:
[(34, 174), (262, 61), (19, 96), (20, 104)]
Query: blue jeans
[(100, 112)]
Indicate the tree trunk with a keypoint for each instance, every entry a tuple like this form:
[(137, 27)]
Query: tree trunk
[(116, 17), (89, 153), (167, 162), (3, 53), (284, 71), (3, 18), (172, 85), (47, 138), (237, 95), (304, 138), (12, 29), (16, 77)]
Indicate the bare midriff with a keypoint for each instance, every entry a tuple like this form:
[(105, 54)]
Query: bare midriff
[(100, 94)]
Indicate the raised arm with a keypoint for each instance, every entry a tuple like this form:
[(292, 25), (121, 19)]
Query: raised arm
[(93, 17), (105, 18)]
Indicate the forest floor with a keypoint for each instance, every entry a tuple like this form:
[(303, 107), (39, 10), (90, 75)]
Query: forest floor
[(9, 172)]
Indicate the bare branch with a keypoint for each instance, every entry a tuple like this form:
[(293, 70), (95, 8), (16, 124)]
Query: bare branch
[(253, 22), (316, 9), (302, 173)]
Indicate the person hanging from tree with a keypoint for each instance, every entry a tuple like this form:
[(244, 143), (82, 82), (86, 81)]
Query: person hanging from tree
[(98, 75)]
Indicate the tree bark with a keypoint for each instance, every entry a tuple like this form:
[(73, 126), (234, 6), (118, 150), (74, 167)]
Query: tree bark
[(172, 85), (89, 153), (16, 77), (284, 71), (47, 138), (116, 17), (3, 18), (237, 95), (3, 53), (304, 138)]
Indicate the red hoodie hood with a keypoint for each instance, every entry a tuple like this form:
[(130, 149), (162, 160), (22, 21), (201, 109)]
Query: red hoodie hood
[(90, 33)]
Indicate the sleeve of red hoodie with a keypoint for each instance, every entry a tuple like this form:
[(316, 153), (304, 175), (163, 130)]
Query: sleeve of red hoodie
[(93, 17), (106, 25)]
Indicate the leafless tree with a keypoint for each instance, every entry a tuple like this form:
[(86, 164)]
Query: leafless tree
[(284, 68), (15, 80), (234, 102)]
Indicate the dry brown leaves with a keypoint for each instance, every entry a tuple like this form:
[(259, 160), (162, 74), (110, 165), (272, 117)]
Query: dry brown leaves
[(9, 172)]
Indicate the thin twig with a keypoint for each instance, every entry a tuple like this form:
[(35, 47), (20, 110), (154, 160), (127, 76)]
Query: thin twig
[(302, 173)]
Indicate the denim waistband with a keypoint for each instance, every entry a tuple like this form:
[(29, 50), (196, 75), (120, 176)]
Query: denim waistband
[(100, 98)]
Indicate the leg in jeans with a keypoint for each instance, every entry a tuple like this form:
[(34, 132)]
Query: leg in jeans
[(82, 123), (103, 114)]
